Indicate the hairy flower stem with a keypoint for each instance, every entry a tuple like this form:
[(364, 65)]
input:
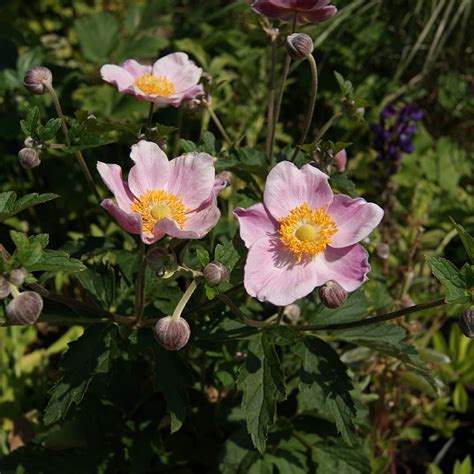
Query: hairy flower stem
[(150, 115), (218, 124), (77, 154), (311, 105), (184, 301), (140, 286), (177, 135), (271, 99), (286, 68)]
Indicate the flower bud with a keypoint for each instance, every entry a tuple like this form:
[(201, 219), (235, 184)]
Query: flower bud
[(406, 302), (172, 334), (4, 288), (340, 159), (215, 273), (299, 45), (36, 78), (332, 294), (466, 323), (382, 250), (28, 158), (25, 308), (18, 276), (292, 312), (162, 261)]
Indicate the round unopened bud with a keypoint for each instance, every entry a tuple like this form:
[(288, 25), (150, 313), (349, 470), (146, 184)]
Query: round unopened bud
[(466, 323), (332, 294), (382, 250), (25, 308), (292, 312), (162, 261), (29, 158), (172, 334), (4, 288), (18, 276), (299, 45), (36, 78), (215, 273)]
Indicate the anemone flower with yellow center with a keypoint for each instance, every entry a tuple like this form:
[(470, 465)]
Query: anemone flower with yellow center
[(175, 198), (171, 80), (303, 236)]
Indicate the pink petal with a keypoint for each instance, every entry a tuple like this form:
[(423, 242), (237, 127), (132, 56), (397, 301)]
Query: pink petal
[(135, 68), (288, 187), (179, 69), (196, 227), (152, 169), (340, 159), (130, 222), (255, 222), (355, 219), (347, 266), (273, 274), (192, 178), (112, 176), (118, 76)]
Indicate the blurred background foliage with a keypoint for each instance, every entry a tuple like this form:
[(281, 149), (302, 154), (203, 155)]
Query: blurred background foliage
[(401, 51)]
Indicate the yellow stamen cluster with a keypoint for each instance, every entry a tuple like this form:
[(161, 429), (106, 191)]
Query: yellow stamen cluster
[(157, 85), (153, 206), (306, 231)]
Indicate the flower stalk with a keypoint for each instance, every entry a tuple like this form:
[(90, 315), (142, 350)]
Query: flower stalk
[(140, 290), (184, 301), (271, 98)]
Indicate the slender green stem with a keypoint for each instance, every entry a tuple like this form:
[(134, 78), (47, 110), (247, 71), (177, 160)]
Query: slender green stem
[(286, 68), (218, 124), (374, 319), (179, 127), (184, 301), (327, 126), (140, 286), (150, 115), (312, 103), (271, 99), (77, 154), (243, 319)]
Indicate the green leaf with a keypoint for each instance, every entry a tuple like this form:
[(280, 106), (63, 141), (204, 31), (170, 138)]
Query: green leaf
[(262, 382), (30, 125), (202, 256), (354, 309), (341, 459), (100, 284), (227, 255), (325, 385), (93, 353), (28, 251), (98, 36), (57, 261), (467, 240), (454, 281), (48, 131), (342, 183), (346, 86), (10, 205)]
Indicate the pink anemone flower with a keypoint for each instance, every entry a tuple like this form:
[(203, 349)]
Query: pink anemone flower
[(175, 198), (340, 160), (303, 235), (171, 80), (306, 11)]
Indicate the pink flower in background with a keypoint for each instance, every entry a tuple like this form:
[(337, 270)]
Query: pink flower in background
[(171, 80), (303, 235), (175, 198), (340, 158), (307, 11)]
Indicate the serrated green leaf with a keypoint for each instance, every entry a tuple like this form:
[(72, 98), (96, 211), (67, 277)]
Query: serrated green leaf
[(453, 280), (227, 255), (325, 385), (30, 125), (341, 459), (100, 284), (49, 131), (57, 261), (93, 353), (28, 252), (262, 382), (466, 239), (202, 256), (9, 205), (354, 309)]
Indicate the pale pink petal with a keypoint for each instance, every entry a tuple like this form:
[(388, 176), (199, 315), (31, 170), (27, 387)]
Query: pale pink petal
[(135, 68), (340, 159), (355, 219), (288, 187), (197, 225), (192, 178), (179, 69), (112, 176), (118, 76), (255, 222), (273, 274), (152, 169), (347, 266), (130, 222)]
